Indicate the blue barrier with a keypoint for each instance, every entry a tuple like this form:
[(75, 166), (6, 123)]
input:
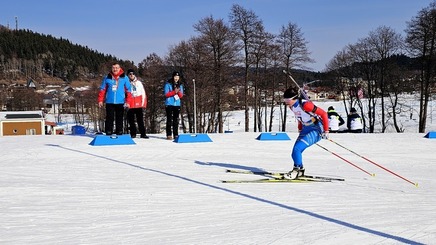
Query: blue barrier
[(192, 138), (431, 135), (273, 136), (124, 139)]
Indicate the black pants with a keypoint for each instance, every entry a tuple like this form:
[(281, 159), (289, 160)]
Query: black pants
[(114, 111), (139, 115), (172, 127)]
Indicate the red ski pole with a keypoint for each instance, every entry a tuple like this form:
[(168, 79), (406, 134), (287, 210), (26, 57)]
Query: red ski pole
[(354, 165), (378, 165)]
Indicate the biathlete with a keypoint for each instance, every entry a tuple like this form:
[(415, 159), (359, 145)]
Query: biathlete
[(313, 126)]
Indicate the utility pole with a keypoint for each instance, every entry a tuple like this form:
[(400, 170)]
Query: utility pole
[(16, 23), (195, 109)]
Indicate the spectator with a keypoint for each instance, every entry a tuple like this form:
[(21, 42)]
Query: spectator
[(137, 106), (335, 120), (115, 90), (173, 91), (354, 122)]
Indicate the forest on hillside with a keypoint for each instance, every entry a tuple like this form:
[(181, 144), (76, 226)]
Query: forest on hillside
[(25, 54), (239, 64)]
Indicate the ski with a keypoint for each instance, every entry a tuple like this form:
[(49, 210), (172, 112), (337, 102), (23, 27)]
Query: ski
[(276, 180), (279, 175)]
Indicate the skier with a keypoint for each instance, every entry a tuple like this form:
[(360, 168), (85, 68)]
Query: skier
[(335, 120), (313, 125)]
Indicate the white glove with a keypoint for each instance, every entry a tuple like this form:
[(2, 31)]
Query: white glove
[(325, 135)]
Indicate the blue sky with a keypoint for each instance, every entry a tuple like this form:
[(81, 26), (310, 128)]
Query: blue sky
[(133, 29)]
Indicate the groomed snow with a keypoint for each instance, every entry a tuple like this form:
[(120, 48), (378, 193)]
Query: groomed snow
[(61, 190)]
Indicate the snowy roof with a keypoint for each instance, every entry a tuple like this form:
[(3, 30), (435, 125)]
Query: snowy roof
[(4, 115)]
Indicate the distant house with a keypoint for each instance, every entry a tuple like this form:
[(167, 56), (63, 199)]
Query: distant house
[(57, 99), (31, 84), (22, 123), (52, 128)]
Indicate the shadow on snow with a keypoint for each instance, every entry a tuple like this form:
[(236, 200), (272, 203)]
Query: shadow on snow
[(302, 211)]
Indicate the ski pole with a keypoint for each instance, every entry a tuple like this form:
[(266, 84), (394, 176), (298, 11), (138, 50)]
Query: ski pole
[(298, 86), (378, 165), (354, 165)]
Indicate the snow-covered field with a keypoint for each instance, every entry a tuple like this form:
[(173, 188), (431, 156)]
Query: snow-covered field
[(58, 189)]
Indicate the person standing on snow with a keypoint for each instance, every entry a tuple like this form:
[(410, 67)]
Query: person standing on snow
[(173, 91), (115, 91), (313, 125), (335, 120), (137, 106)]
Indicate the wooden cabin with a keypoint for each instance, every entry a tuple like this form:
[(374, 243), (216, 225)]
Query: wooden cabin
[(22, 123)]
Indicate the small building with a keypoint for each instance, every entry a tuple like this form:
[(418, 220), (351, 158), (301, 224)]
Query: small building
[(53, 128), (22, 123)]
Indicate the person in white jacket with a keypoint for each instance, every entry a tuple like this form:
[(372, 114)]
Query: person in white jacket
[(335, 120), (136, 106), (354, 122)]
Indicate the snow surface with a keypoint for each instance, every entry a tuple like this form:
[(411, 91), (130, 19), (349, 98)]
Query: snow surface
[(61, 190)]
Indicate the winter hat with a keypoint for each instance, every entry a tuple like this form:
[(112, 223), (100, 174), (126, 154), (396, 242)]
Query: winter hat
[(290, 93), (176, 73), (331, 108), (353, 109), (130, 70)]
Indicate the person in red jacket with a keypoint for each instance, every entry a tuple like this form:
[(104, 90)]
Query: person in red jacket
[(137, 105), (313, 124)]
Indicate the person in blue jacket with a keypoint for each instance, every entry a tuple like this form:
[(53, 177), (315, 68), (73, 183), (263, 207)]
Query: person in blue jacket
[(173, 91), (115, 91)]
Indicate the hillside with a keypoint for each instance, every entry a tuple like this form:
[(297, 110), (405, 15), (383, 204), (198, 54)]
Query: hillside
[(27, 54)]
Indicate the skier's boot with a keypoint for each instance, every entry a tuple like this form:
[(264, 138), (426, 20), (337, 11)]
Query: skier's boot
[(294, 173)]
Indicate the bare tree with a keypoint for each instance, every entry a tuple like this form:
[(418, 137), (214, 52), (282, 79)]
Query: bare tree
[(24, 99), (341, 68), (245, 23), (294, 52), (384, 42), (399, 78), (261, 54), (421, 42), (152, 72), (221, 44), (271, 76), (89, 98), (367, 70)]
